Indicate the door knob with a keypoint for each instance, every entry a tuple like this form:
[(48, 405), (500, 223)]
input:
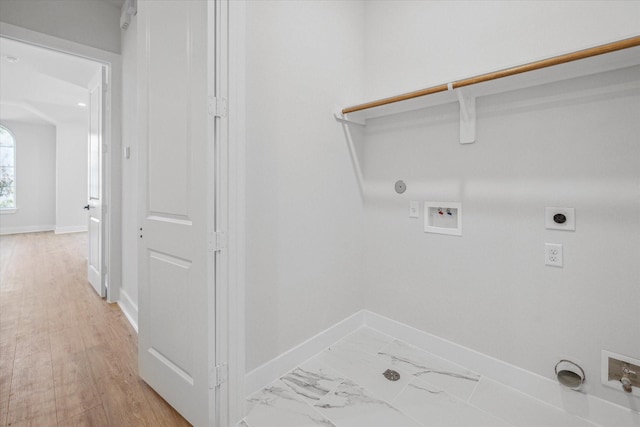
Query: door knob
[(87, 207)]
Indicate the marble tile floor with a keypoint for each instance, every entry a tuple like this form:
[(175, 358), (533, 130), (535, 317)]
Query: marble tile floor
[(343, 386)]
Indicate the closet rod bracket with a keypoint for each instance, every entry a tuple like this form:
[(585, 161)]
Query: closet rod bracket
[(467, 115), (342, 118)]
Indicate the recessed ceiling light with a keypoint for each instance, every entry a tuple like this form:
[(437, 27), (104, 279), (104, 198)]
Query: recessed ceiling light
[(81, 104), (12, 59)]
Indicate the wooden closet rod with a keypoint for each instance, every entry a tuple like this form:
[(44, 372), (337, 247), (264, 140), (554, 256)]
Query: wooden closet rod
[(549, 62)]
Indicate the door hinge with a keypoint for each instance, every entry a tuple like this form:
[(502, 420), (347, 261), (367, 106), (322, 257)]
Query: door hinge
[(218, 375), (217, 241), (217, 106)]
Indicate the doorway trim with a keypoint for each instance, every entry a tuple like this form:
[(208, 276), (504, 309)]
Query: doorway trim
[(111, 174), (236, 171)]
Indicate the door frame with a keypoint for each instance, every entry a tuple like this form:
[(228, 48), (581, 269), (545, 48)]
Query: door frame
[(226, 65), (236, 200), (111, 174)]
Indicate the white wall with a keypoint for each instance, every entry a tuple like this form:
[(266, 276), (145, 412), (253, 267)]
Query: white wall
[(557, 145), (92, 23), (35, 179), (130, 223), (303, 231), (411, 45), (71, 177)]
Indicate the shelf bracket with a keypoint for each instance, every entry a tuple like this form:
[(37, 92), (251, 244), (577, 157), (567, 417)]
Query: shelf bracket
[(467, 115), (342, 118)]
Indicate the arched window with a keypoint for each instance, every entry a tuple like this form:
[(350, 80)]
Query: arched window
[(7, 169)]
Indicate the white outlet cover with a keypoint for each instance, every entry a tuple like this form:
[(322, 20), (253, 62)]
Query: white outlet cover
[(604, 371), (553, 254), (568, 225)]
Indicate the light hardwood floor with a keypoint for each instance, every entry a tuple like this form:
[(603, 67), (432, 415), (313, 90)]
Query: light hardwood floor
[(67, 357)]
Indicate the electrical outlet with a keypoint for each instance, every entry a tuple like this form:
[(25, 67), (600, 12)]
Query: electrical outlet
[(560, 219), (553, 254)]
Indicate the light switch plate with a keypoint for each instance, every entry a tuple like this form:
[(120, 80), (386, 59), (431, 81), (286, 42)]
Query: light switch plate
[(414, 209)]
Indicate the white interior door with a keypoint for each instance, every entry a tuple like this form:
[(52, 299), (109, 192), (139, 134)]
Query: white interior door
[(95, 256), (176, 317)]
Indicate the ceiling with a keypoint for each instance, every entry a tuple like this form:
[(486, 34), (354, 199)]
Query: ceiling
[(43, 86)]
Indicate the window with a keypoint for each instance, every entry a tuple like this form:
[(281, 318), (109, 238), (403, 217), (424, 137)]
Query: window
[(7, 169)]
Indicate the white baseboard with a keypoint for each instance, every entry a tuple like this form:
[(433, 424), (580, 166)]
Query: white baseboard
[(26, 229), (129, 308), (73, 229), (275, 368), (583, 405), (544, 389)]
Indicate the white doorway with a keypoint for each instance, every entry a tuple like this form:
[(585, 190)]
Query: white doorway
[(230, 297), (46, 89), (86, 61)]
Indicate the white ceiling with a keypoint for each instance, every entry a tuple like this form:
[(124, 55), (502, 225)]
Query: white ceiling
[(43, 86)]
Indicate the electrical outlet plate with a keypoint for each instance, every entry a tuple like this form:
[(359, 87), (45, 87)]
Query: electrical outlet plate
[(615, 382), (569, 216), (553, 254)]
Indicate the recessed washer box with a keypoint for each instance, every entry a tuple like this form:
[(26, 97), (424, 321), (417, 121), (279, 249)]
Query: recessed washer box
[(560, 218), (610, 371), (443, 218)]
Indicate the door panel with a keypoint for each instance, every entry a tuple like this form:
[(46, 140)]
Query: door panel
[(169, 308), (95, 264), (176, 290), (94, 242)]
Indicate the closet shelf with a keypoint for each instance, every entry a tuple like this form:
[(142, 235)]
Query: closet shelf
[(607, 57)]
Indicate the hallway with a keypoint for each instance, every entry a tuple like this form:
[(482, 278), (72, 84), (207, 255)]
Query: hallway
[(67, 358)]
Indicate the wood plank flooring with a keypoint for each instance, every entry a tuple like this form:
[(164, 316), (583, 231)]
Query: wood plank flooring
[(67, 357)]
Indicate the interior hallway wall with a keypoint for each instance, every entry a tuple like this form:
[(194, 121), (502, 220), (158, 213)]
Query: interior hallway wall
[(71, 177), (130, 219), (91, 23), (570, 144), (35, 179), (303, 213)]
